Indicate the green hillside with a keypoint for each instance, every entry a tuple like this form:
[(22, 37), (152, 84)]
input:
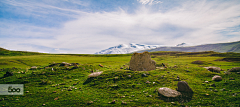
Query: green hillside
[(52, 84)]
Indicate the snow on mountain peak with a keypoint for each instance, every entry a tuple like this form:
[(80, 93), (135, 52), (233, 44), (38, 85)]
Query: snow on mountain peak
[(126, 48)]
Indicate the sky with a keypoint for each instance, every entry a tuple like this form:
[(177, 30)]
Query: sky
[(89, 26)]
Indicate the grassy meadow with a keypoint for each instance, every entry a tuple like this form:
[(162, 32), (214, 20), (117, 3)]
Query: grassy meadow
[(68, 86)]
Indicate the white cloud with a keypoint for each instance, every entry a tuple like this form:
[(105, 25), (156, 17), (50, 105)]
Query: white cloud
[(149, 2), (196, 22)]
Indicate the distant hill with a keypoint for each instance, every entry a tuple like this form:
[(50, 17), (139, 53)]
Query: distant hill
[(5, 52), (219, 47)]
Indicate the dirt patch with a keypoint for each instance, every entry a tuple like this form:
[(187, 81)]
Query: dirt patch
[(229, 59)]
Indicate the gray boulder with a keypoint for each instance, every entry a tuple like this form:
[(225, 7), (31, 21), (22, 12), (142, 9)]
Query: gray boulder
[(214, 69), (183, 87), (217, 78), (234, 69), (167, 92)]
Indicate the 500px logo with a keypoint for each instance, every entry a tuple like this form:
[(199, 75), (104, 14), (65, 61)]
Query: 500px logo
[(10, 89)]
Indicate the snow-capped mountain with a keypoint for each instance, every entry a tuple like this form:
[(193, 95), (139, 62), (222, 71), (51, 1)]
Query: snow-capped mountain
[(127, 48)]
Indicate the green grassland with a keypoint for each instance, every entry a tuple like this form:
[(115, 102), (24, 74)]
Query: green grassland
[(51, 87)]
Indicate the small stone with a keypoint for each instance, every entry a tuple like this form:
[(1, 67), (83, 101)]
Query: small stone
[(129, 76), (113, 102), (100, 65), (17, 99), (122, 96), (217, 78), (144, 75), (124, 103), (27, 91), (89, 102), (207, 94), (206, 81), (121, 67), (148, 82), (58, 87), (149, 95), (132, 96), (215, 90), (54, 91), (75, 88), (43, 104), (56, 98), (173, 103), (69, 89), (153, 82), (168, 72), (231, 78)]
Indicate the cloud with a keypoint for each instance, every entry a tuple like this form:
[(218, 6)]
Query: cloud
[(149, 2), (196, 22)]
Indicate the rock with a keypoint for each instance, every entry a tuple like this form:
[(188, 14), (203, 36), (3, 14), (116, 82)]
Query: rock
[(65, 64), (231, 78), (217, 78), (95, 74), (100, 65), (142, 62), (89, 102), (69, 89), (124, 103), (144, 75), (183, 87), (121, 67), (33, 68), (113, 102), (129, 76), (8, 73), (234, 69), (43, 104), (167, 92), (148, 82), (213, 69)]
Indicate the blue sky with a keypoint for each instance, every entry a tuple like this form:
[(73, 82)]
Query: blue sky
[(89, 26)]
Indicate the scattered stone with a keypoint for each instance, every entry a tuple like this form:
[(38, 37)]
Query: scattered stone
[(148, 82), (129, 76), (69, 89), (154, 82), (173, 103), (132, 96), (217, 78), (43, 104), (142, 62), (124, 103), (206, 81), (231, 78), (100, 65), (238, 72), (95, 74), (27, 91), (113, 102), (33, 68), (149, 95), (213, 69), (167, 92), (207, 94), (234, 69), (183, 87), (144, 75), (89, 102)]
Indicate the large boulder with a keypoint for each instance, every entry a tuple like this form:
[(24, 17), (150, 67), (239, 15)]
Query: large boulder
[(167, 92), (95, 74), (213, 69), (234, 69), (183, 87), (142, 62), (217, 78)]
